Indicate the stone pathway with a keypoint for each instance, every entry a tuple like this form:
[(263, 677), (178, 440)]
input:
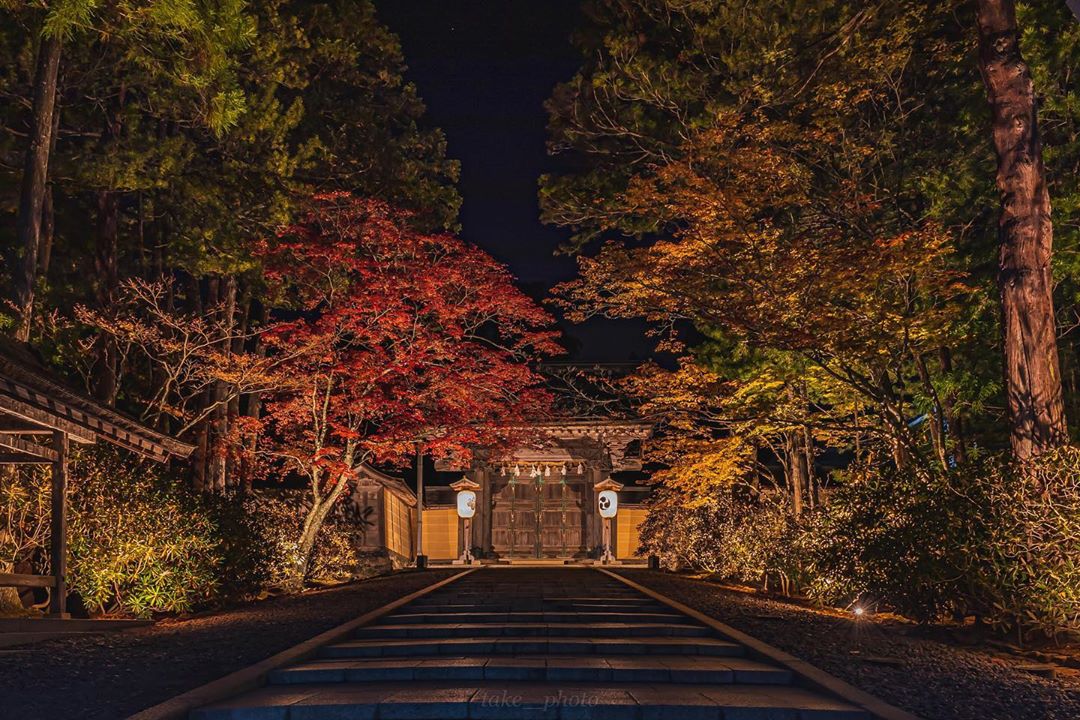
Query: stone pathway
[(559, 643)]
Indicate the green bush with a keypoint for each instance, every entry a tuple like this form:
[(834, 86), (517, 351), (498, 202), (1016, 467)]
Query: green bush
[(142, 542), (276, 518), (735, 536), (139, 543), (986, 539), (894, 538), (1024, 575)]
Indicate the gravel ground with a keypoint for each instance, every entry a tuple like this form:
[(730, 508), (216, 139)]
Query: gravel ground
[(932, 679), (113, 675)]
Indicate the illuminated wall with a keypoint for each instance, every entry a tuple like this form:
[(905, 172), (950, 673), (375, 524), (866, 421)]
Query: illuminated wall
[(627, 537), (399, 525), (441, 534)]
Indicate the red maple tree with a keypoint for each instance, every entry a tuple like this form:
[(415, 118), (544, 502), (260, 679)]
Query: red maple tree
[(403, 338)]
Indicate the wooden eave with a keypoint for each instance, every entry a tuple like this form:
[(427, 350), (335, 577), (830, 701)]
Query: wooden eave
[(33, 404), (392, 484)]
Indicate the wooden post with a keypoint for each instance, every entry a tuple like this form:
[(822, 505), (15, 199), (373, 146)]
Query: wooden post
[(607, 557), (466, 553), (421, 558), (58, 600)]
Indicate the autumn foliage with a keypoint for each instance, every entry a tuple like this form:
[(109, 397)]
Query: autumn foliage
[(398, 340)]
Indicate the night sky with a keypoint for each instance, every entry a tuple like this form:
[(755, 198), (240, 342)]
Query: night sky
[(484, 68)]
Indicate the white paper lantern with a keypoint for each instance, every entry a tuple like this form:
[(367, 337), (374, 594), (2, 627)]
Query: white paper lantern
[(608, 502), (466, 504)]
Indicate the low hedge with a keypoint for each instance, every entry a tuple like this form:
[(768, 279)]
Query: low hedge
[(986, 539), (142, 542)]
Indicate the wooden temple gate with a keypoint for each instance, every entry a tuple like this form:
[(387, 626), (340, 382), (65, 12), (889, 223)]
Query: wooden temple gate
[(39, 420), (539, 517), (539, 501)]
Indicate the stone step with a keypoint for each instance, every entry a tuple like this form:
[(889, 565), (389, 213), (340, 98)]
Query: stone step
[(526, 701), (626, 617), (480, 592), (533, 603), (421, 630), (551, 668), (507, 598), (532, 608), (606, 647)]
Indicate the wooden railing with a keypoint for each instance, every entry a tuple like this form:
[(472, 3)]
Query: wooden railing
[(20, 580)]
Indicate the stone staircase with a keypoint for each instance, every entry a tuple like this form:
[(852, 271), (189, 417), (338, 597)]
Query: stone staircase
[(511, 643)]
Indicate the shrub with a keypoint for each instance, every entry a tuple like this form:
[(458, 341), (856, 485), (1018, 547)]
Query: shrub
[(1025, 574), (892, 537), (737, 537), (24, 528), (142, 542), (247, 545), (272, 520), (986, 538), (139, 542)]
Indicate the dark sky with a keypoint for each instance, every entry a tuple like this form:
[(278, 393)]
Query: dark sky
[(484, 68)]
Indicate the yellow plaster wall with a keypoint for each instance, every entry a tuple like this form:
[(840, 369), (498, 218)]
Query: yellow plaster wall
[(399, 519), (627, 536), (441, 534)]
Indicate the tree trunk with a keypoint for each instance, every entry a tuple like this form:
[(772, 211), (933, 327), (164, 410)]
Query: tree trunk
[(48, 210), (254, 400), (106, 265), (48, 233), (35, 172), (808, 457), (1025, 235), (892, 411), (938, 434), (313, 523), (306, 546), (200, 461), (796, 465), (219, 419), (952, 415)]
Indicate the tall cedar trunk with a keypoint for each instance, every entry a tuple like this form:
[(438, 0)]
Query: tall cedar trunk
[(35, 172), (808, 456), (234, 467), (1025, 235), (254, 401), (106, 379), (106, 265), (796, 466), (48, 210), (204, 447), (219, 419), (48, 233)]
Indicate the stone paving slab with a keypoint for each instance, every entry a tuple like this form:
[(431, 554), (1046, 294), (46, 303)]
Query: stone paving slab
[(402, 647), (512, 700), (575, 617), (672, 669), (452, 629)]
